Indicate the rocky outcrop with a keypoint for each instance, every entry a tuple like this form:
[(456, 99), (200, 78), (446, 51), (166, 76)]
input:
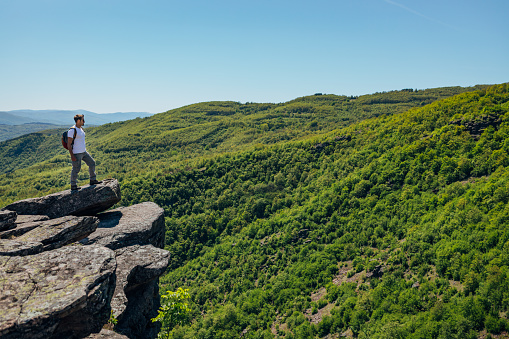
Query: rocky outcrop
[(89, 200), (476, 127), (55, 233), (64, 276), (12, 248), (318, 148)]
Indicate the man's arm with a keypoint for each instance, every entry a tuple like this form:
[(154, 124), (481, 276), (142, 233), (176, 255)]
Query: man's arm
[(69, 147)]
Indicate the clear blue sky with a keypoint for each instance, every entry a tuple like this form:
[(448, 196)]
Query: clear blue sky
[(155, 55)]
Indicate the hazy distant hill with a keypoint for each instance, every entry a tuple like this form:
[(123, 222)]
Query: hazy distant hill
[(12, 119), (64, 117), (20, 122)]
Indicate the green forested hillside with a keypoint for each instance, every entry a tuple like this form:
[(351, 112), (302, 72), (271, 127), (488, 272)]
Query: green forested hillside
[(285, 240), (377, 226), (35, 164)]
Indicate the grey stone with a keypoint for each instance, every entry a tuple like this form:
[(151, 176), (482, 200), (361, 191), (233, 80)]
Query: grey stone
[(19, 248), (140, 224), (142, 307), (7, 219), (55, 233), (107, 334), (53, 287), (64, 293), (89, 200)]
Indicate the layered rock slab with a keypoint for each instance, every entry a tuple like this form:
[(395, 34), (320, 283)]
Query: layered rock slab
[(55, 233), (63, 293), (89, 200), (13, 248), (140, 224), (24, 224)]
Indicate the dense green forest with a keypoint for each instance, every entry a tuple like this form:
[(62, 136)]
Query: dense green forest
[(382, 216)]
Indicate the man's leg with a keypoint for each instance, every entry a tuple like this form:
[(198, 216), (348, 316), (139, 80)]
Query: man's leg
[(76, 166), (87, 158)]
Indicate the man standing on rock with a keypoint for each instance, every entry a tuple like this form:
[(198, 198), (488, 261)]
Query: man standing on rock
[(78, 151)]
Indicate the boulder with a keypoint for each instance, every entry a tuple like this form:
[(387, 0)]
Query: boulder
[(138, 268), (55, 233), (7, 219), (63, 293), (89, 200), (141, 224)]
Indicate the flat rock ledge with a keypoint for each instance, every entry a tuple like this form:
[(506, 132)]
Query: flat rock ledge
[(65, 267), (89, 200), (140, 224)]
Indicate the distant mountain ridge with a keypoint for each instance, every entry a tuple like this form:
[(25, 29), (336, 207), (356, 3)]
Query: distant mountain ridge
[(64, 117), (19, 122)]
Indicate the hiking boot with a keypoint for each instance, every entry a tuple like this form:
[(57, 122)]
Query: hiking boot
[(74, 188), (95, 182)]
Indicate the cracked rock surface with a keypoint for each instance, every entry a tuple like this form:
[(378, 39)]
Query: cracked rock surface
[(56, 294), (23, 224), (19, 248), (62, 231)]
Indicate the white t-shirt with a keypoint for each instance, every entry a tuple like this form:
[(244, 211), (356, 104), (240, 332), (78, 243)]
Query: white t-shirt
[(79, 141)]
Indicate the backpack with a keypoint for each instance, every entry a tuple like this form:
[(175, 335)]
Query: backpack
[(64, 138)]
